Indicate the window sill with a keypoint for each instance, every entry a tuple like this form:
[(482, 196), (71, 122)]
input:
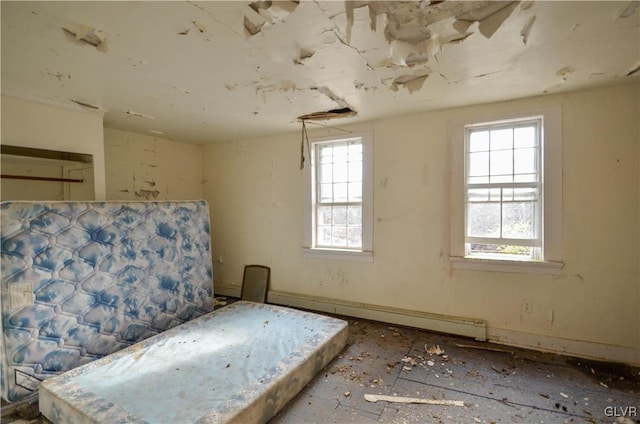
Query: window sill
[(501, 265), (337, 254)]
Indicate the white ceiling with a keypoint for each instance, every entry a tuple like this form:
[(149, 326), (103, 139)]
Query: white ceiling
[(193, 71)]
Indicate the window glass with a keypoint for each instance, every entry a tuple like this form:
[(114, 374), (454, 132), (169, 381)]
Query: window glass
[(503, 189), (339, 172)]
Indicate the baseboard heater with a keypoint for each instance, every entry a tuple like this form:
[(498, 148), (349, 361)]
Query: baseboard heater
[(468, 327)]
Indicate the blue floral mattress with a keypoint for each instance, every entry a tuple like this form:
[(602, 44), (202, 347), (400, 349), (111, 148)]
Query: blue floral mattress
[(241, 363), (81, 280)]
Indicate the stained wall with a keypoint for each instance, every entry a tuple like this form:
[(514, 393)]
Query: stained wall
[(142, 167), (590, 309)]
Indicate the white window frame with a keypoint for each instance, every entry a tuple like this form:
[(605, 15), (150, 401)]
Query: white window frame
[(550, 261), (535, 243), (309, 247)]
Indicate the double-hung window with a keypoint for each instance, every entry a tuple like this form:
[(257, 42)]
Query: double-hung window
[(503, 190), (338, 200), (506, 199)]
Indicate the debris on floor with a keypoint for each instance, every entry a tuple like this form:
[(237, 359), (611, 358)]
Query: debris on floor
[(434, 350), (401, 399)]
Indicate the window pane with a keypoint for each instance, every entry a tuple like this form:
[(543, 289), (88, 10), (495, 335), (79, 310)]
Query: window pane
[(325, 153), (518, 220), (355, 171), (324, 236), (324, 215), (326, 174), (340, 172), (354, 237), (326, 192), (340, 153), (477, 248), (478, 164), (524, 137), (483, 219), (339, 215), (340, 192), (355, 148), (501, 162), (355, 192), (502, 139), (525, 160), (354, 216), (339, 237), (479, 141)]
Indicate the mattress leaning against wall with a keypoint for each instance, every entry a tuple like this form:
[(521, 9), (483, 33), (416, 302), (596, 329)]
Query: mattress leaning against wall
[(81, 280)]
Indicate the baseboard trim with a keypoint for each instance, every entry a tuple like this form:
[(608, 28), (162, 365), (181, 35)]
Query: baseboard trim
[(577, 348), (221, 289), (468, 327)]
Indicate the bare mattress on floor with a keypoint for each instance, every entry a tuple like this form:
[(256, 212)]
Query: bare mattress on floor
[(241, 363)]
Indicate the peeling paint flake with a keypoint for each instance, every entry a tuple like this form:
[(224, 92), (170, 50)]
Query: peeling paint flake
[(526, 4), (330, 94), (199, 26), (630, 9), (271, 12), (457, 39), (88, 34), (410, 82), (88, 105), (524, 32), (490, 16), (433, 45), (634, 69), (253, 25), (138, 114), (416, 59), (303, 55), (562, 72)]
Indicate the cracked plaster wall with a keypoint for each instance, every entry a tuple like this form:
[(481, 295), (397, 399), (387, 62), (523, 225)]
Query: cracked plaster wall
[(142, 167), (255, 191)]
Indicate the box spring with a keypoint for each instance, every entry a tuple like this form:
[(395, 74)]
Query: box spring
[(241, 363)]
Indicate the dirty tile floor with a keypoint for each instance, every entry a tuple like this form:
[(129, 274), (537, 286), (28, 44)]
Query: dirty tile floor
[(497, 384)]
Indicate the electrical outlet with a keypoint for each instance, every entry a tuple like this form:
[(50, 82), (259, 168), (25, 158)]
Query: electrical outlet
[(527, 306)]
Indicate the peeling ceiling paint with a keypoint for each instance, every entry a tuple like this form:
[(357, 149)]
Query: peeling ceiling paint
[(217, 71)]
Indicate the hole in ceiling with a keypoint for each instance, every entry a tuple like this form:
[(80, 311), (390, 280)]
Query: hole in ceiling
[(344, 112)]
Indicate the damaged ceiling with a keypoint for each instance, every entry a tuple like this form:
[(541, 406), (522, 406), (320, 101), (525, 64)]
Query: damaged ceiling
[(205, 72)]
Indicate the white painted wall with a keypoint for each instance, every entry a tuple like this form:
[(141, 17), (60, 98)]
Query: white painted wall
[(591, 308), (141, 167), (42, 126)]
